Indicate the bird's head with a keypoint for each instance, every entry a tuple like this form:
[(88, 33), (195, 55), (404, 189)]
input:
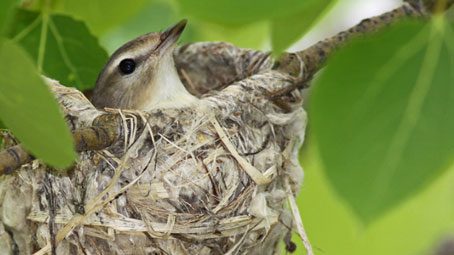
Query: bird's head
[(137, 71)]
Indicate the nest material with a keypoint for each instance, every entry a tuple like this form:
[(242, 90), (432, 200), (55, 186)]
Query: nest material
[(213, 179)]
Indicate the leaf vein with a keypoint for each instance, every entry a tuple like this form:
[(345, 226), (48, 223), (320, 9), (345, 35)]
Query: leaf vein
[(62, 49)]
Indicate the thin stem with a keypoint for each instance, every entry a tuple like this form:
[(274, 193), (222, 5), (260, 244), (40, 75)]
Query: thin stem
[(27, 30), (43, 37), (42, 42), (61, 47)]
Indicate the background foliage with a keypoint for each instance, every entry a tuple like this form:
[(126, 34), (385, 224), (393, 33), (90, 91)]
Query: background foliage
[(380, 151)]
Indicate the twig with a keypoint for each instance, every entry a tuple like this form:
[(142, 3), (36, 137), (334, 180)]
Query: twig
[(303, 65), (258, 177), (297, 220), (12, 158), (104, 132)]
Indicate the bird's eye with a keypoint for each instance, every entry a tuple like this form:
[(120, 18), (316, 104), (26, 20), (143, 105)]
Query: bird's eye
[(127, 66)]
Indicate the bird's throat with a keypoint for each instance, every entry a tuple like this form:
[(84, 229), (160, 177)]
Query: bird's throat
[(169, 91)]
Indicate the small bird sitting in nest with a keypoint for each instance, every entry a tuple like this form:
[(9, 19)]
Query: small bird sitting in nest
[(141, 75)]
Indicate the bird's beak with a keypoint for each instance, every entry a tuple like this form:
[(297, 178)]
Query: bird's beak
[(170, 36)]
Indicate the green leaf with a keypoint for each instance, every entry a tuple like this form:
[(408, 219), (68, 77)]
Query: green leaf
[(62, 47), (6, 8), (415, 227), (239, 12), (158, 15), (246, 36), (38, 5), (383, 115), (28, 108), (155, 16), (101, 15), (286, 30)]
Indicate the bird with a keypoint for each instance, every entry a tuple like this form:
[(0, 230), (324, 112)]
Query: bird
[(141, 74)]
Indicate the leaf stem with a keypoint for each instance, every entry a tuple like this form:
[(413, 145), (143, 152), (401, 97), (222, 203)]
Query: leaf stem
[(43, 36), (42, 42), (414, 106), (66, 59), (19, 36)]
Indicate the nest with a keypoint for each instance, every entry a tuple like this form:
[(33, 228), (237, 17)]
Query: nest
[(217, 178)]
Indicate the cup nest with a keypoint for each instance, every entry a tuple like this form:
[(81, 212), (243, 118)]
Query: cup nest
[(216, 178)]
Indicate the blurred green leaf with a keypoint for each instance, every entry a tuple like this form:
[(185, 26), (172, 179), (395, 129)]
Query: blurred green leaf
[(411, 229), (290, 19), (286, 30), (239, 12), (28, 108), (158, 15), (383, 115), (39, 5), (101, 15), (450, 14), (153, 17), (62, 47), (246, 36), (6, 9)]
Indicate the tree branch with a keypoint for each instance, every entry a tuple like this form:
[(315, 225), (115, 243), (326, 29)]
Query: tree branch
[(12, 158), (105, 131), (304, 64)]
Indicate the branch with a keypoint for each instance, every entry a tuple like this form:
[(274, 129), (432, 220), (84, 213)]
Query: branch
[(306, 63), (12, 158), (105, 131)]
